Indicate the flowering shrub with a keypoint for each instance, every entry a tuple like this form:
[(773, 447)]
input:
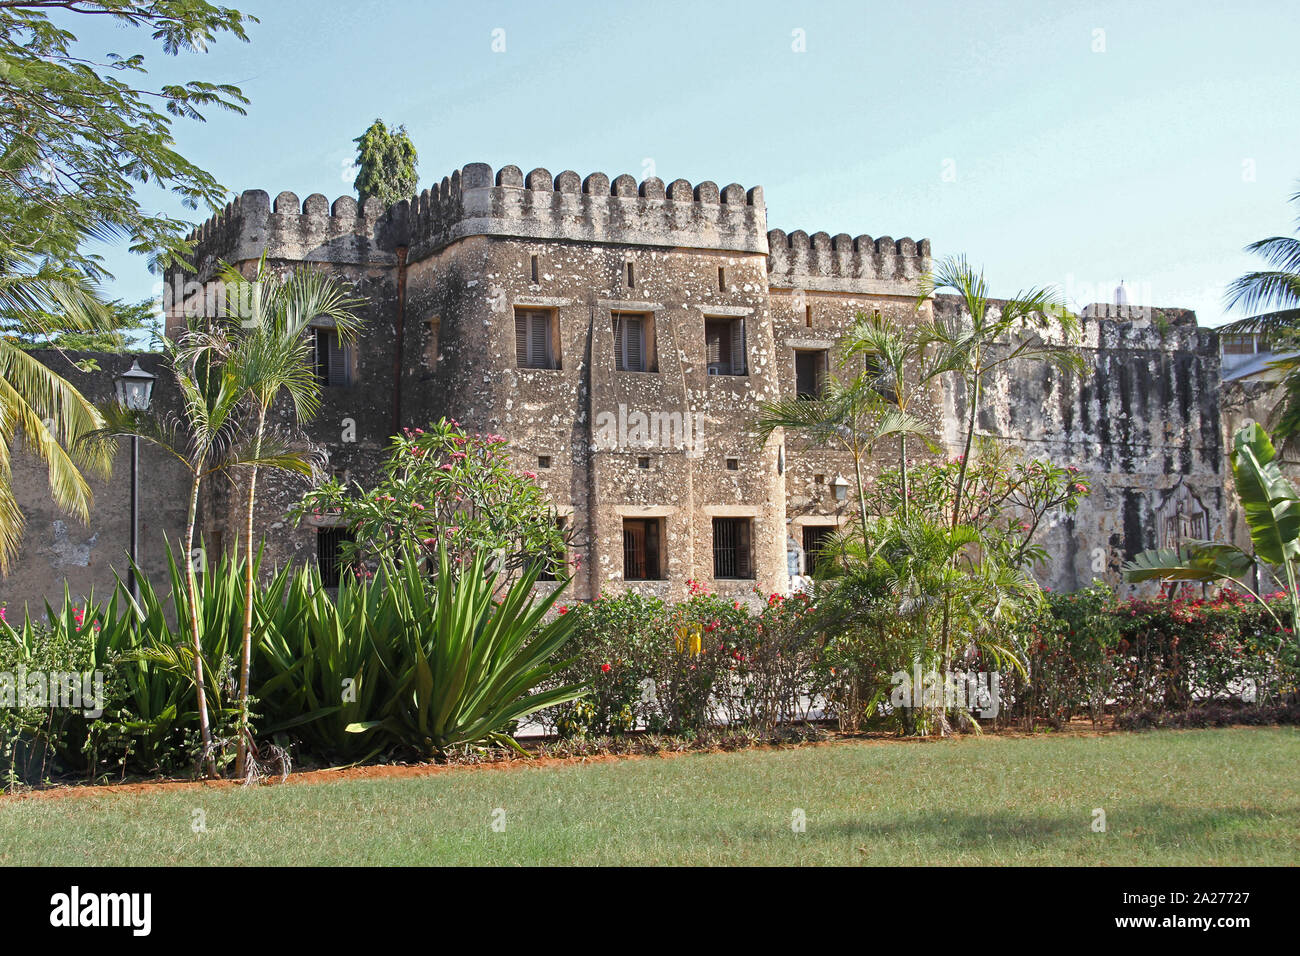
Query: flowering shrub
[(1089, 650), (445, 484), (681, 668)]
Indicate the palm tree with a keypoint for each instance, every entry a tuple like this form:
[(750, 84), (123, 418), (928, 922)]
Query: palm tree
[(1272, 296), (271, 354), (893, 585), (979, 340), (851, 416), (51, 414), (207, 437), (891, 352), (974, 344), (1271, 505)]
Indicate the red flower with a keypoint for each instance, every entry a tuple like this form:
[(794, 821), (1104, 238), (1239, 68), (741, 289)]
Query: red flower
[(604, 668), (564, 609)]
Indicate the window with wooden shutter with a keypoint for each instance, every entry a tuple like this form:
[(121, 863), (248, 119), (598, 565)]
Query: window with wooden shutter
[(724, 346), (331, 358), (533, 339), (738, 347), (809, 373), (631, 348)]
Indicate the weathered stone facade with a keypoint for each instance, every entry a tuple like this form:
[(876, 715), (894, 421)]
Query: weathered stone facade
[(640, 291)]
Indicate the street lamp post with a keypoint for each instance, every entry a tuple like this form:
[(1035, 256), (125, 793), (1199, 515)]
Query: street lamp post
[(135, 393)]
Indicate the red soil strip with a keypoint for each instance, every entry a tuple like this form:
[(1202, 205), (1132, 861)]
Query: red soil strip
[(1077, 728)]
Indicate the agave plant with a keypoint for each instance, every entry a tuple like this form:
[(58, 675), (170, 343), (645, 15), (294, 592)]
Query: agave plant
[(1271, 506), (462, 661), (315, 672)]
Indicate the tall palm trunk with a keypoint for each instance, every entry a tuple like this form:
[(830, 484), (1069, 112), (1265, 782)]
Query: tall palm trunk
[(246, 651), (192, 585), (902, 454), (956, 520), (965, 458)]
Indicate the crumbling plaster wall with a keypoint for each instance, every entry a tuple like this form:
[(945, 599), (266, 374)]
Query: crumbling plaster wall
[(57, 547), (1142, 424)]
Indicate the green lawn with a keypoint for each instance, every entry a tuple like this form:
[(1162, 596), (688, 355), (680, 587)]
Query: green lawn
[(1174, 797)]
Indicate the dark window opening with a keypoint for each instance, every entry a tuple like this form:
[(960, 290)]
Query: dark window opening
[(722, 279), (815, 538), (329, 554), (809, 373), (733, 464), (643, 461), (724, 346), (641, 538), (807, 316), (732, 556), (534, 269), (331, 358), (631, 278), (543, 461), (535, 339)]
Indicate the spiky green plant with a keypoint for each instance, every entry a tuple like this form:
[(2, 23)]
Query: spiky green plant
[(461, 662)]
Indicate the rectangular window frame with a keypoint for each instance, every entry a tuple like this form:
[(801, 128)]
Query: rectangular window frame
[(733, 549), (633, 326), (537, 340), (727, 332), (329, 558), (821, 358), (643, 555), (331, 358)]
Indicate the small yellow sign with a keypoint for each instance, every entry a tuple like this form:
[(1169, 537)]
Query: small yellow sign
[(690, 639)]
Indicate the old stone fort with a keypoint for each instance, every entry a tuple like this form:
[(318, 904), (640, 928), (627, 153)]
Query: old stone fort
[(622, 336)]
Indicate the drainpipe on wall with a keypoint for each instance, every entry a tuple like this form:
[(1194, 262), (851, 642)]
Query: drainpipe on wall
[(399, 348)]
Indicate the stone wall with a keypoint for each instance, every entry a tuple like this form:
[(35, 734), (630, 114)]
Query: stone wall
[(57, 548), (1142, 425)]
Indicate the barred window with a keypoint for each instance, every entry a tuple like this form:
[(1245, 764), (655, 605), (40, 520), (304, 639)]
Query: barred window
[(641, 538), (329, 554), (732, 554)]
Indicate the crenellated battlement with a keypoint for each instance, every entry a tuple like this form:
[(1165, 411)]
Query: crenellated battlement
[(313, 230), (475, 201), (479, 201), (841, 263)]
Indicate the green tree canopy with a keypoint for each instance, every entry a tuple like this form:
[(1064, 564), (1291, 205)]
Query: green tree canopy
[(128, 327), (79, 130), (386, 162)]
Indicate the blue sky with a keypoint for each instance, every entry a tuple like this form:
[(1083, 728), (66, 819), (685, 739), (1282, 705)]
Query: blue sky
[(1070, 144)]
